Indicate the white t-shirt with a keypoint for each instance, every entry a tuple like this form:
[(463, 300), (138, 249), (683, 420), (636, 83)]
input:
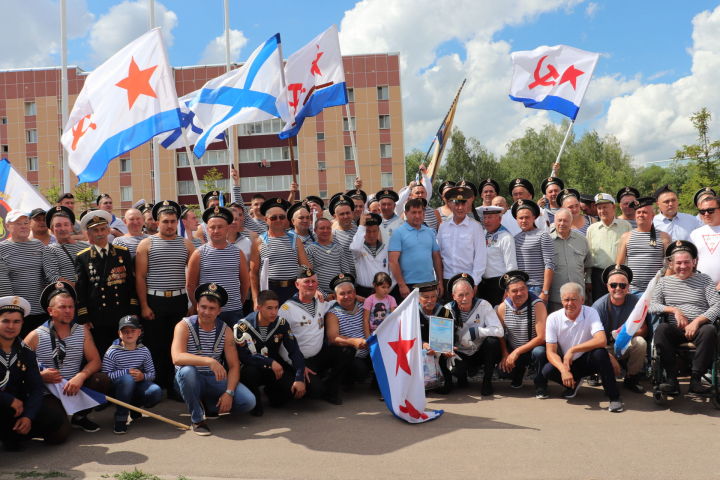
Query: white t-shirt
[(707, 241), (568, 333)]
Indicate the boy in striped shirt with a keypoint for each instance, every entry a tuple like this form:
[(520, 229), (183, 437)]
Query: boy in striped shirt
[(130, 367)]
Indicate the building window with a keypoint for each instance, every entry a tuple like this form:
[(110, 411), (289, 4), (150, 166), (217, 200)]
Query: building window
[(5, 148), (266, 127), (32, 164), (385, 150), (125, 165), (351, 94), (348, 124), (275, 183), (384, 122), (31, 135), (323, 194), (3, 120), (321, 165), (383, 92), (349, 153), (269, 154), (320, 136), (187, 187), (211, 157), (30, 109), (349, 182), (386, 180), (126, 194)]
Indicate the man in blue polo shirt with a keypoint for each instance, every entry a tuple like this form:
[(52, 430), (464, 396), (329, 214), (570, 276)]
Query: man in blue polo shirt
[(414, 254)]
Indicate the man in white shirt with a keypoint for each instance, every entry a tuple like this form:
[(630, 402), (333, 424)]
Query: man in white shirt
[(676, 224), (707, 239), (461, 240), (522, 189), (575, 340), (501, 257)]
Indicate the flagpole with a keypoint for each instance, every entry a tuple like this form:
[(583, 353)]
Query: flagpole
[(293, 170), (64, 90), (231, 133), (351, 128), (562, 147), (153, 142)]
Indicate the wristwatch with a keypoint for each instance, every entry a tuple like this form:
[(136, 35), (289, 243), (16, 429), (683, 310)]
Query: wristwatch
[(230, 392), (545, 292)]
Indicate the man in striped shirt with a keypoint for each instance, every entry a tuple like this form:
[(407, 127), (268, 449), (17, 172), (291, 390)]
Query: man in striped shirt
[(534, 249), (60, 258), (134, 222), (692, 304), (341, 208)]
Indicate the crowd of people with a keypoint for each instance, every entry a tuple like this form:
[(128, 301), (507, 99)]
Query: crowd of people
[(273, 301)]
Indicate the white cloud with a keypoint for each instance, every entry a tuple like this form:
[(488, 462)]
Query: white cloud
[(215, 50), (652, 121), (591, 9), (31, 31), (125, 22)]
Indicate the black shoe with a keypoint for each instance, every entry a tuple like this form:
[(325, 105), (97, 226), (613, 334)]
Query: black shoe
[(13, 446), (633, 384), (541, 393), (333, 398), (696, 386), (487, 388), (594, 380), (201, 429), (120, 427), (569, 393), (670, 387), (462, 382), (84, 423), (135, 415), (257, 410)]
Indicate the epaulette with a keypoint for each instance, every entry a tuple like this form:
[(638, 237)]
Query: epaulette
[(83, 251), (282, 321), (82, 311), (120, 247), (242, 326), (133, 301), (284, 307)]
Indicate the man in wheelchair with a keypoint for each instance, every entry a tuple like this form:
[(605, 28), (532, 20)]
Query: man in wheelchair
[(691, 304)]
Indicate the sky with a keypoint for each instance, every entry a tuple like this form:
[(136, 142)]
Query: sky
[(659, 60)]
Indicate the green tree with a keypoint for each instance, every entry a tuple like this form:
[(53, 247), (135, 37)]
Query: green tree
[(210, 180), (412, 164), (52, 193), (85, 194)]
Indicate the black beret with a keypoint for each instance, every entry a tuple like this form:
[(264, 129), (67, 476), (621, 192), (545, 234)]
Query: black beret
[(387, 193), (682, 246), (460, 193), (551, 181), (340, 279), (315, 199), (627, 191), (304, 271), (56, 289), (295, 207), (218, 212), (511, 277), (461, 276), (272, 203), (63, 196), (373, 219), (527, 204), (470, 185), (521, 182), (587, 199), (444, 185), (357, 193), (146, 207), (664, 189), (492, 183), (100, 197), (427, 286), (617, 269), (213, 290), (567, 193), (166, 206), (62, 211), (209, 196), (184, 209), (644, 202), (703, 192), (338, 200)]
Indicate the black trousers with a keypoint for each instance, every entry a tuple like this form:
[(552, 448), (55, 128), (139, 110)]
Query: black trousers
[(158, 334), (105, 328), (487, 356), (366, 291), (329, 364), (669, 336), (594, 361), (598, 287), (490, 291), (51, 423), (276, 389)]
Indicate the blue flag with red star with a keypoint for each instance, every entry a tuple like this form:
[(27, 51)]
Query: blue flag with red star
[(396, 353)]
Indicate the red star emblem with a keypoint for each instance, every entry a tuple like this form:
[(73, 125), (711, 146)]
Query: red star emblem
[(137, 82), (570, 75), (401, 348)]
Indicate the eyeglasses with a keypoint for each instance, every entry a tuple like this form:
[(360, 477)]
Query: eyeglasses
[(618, 285), (277, 217), (707, 211)]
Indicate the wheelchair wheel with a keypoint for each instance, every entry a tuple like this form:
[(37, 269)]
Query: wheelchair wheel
[(660, 398)]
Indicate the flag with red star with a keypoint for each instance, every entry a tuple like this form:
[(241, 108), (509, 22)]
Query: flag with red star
[(396, 353), (552, 78), (124, 102)]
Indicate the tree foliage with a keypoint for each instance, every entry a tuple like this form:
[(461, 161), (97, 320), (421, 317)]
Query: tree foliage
[(210, 180)]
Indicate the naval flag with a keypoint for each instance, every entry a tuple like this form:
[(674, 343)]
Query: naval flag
[(84, 399), (552, 78), (315, 80), (124, 103), (635, 320), (396, 352), (251, 93), (187, 134), (16, 193)]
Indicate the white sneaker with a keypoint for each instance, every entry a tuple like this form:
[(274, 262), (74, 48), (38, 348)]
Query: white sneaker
[(616, 406)]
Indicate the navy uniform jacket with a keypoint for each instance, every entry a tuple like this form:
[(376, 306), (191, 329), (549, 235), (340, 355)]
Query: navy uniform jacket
[(24, 383), (255, 352), (105, 286)]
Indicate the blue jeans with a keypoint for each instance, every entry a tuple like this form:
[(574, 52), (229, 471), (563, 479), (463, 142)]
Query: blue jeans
[(144, 394), (536, 289), (198, 387)]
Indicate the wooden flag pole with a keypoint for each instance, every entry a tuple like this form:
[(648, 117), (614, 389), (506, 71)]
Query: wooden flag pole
[(148, 413), (447, 123), (293, 170)]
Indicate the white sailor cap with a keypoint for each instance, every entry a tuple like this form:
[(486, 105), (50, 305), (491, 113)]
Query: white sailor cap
[(13, 303)]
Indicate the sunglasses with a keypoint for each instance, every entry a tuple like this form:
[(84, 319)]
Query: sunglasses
[(618, 285), (277, 217), (707, 211)]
